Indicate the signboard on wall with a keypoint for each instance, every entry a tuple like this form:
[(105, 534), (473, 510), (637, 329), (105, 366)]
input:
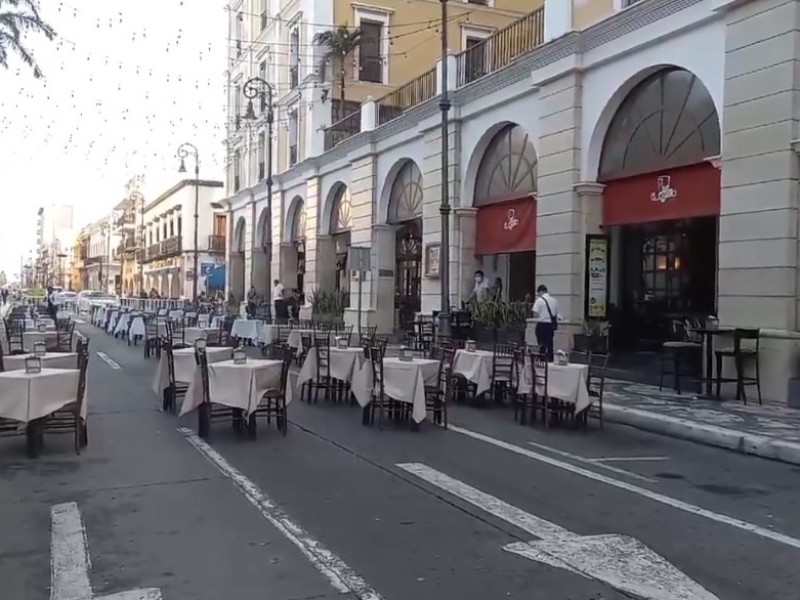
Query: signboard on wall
[(596, 292)]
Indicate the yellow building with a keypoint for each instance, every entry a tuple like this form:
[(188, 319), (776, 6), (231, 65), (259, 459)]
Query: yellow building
[(79, 254), (395, 61)]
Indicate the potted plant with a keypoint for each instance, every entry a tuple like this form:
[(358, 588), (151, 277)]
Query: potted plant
[(328, 306), (593, 337), (497, 321)]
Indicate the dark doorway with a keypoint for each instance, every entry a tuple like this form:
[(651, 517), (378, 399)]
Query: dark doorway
[(408, 272)]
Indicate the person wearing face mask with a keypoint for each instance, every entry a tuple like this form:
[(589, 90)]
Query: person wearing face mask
[(481, 289)]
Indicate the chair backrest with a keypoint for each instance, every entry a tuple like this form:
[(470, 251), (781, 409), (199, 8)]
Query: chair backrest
[(596, 377), (170, 361), (202, 363), (750, 337), (286, 358), (83, 365), (539, 367)]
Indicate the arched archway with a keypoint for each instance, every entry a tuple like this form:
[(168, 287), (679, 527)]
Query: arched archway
[(505, 222), (661, 204), (261, 254), (335, 241), (404, 211), (293, 252), (236, 287)]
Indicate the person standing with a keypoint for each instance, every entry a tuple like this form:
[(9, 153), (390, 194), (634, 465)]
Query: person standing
[(52, 304), (252, 298), (277, 300), (545, 313)]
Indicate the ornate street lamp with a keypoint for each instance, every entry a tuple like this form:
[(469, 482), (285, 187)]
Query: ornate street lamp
[(444, 208), (136, 197), (252, 89), (184, 150)]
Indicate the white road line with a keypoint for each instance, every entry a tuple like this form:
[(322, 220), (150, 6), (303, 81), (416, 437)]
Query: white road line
[(650, 495), (629, 459), (620, 561), (343, 579), (69, 556), (494, 506), (143, 594), (106, 359), (589, 461)]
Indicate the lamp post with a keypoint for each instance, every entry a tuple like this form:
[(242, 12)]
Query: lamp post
[(444, 208), (136, 197), (257, 87), (184, 150)]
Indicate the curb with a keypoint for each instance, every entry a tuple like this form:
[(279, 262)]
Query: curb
[(709, 435)]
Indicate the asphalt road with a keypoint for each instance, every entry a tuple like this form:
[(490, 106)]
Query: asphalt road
[(338, 510)]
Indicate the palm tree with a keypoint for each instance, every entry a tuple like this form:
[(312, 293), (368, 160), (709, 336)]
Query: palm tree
[(337, 45), (18, 17)]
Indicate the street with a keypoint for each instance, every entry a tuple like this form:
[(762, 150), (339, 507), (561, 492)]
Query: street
[(484, 510)]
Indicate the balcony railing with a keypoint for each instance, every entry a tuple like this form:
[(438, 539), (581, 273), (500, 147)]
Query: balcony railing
[(128, 218), (171, 246), (501, 48), (412, 93), (153, 251), (216, 243), (342, 129)]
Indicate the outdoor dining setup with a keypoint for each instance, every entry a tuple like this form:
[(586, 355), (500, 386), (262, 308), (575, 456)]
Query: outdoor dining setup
[(43, 369)]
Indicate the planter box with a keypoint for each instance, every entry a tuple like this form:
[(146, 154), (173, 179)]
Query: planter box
[(328, 318), (489, 336)]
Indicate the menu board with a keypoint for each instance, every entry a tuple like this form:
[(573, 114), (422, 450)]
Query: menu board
[(597, 276)]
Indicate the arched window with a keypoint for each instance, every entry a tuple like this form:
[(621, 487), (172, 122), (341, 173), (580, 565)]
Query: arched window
[(668, 120), (405, 197), (508, 168), (341, 211), (298, 231)]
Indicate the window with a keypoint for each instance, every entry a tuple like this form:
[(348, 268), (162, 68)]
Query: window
[(370, 61), (237, 158), (475, 44), (262, 69), (219, 225), (239, 33), (294, 57), (263, 4), (237, 106), (294, 136), (262, 144)]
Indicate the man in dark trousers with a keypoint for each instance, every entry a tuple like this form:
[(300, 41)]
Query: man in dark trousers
[(545, 313), (52, 304)]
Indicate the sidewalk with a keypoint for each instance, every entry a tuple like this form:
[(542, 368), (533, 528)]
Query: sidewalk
[(769, 431)]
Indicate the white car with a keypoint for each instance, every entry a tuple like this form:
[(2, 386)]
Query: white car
[(89, 298)]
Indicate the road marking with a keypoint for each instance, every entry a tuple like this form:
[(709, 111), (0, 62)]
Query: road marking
[(629, 459), (343, 579), (69, 560), (592, 462), (620, 561), (106, 359), (655, 496)]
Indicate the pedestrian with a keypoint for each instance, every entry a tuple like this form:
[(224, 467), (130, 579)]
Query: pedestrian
[(252, 300), (277, 300), (545, 313), (52, 304)]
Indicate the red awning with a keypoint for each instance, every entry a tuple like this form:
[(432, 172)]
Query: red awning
[(506, 227), (681, 193)]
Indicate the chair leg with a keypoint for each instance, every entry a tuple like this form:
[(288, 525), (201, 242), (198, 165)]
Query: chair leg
[(676, 368), (719, 375), (661, 371), (758, 380), (740, 393)]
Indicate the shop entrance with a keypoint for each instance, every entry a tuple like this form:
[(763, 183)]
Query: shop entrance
[(661, 207)]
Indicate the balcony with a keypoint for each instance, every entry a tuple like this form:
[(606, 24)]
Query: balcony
[(414, 92), (216, 243), (153, 251), (343, 129), (127, 219), (171, 246)]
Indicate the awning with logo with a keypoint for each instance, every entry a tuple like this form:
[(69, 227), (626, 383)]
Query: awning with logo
[(506, 227), (680, 193)]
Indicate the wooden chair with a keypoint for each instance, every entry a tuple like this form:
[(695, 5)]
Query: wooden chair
[(503, 371), (273, 402), (63, 341), (208, 412), (746, 344), (176, 390), (596, 382), (540, 391), (322, 377), (437, 396), (683, 349), (15, 335), (176, 333), (152, 341), (380, 402), (68, 418)]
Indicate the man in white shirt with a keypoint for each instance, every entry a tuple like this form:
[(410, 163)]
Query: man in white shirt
[(545, 313), (480, 290), (277, 298)]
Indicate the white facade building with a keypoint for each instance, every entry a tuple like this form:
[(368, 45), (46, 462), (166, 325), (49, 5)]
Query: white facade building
[(169, 235), (102, 262), (660, 142)]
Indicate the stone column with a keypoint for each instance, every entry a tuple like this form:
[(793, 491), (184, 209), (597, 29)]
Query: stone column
[(325, 264), (384, 258), (277, 236), (464, 222), (362, 201), (312, 207), (758, 238), (560, 232)]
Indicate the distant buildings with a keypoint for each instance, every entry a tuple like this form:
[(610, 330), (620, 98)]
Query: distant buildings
[(54, 237)]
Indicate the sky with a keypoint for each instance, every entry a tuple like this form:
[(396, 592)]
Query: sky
[(125, 83)]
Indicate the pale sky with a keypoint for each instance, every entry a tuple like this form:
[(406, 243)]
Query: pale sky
[(126, 82)]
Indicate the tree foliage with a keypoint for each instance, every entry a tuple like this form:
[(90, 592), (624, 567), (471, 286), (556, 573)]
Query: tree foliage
[(17, 18), (337, 45)]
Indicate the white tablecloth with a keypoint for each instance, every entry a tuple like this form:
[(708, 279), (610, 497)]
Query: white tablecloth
[(246, 329), (403, 381), (191, 334), (237, 386), (122, 324), (112, 322), (185, 366), (176, 315), (25, 397), (568, 383), (475, 367), (344, 362), (51, 360), (137, 327), (29, 338)]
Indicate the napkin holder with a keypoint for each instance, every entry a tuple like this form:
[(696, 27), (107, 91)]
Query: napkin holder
[(239, 356), (39, 349), (406, 354), (341, 342), (562, 358), (470, 346), (200, 343), (33, 365)]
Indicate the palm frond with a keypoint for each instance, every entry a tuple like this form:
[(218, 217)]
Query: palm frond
[(18, 17)]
